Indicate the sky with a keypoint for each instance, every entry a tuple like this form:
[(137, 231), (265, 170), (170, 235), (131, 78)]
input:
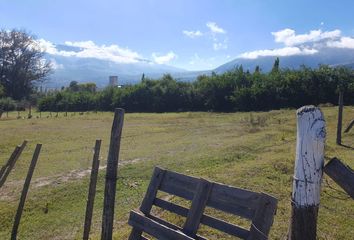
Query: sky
[(188, 34)]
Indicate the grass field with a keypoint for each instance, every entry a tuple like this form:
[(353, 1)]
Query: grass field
[(249, 150)]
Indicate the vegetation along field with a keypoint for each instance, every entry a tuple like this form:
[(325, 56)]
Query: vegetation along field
[(249, 150)]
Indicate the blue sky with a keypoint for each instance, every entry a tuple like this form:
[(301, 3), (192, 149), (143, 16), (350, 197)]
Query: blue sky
[(194, 34)]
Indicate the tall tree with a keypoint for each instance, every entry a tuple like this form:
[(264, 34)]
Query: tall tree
[(276, 65), (22, 63)]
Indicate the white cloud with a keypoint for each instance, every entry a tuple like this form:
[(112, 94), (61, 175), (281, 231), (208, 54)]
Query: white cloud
[(343, 42), (303, 44), (290, 38), (214, 28), (162, 59), (192, 34), (280, 52), (88, 49), (81, 44)]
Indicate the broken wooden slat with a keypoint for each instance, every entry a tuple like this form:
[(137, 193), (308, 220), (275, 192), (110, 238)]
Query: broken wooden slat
[(25, 191), (343, 175), (12, 164), (111, 175), (198, 205), (263, 218), (92, 190), (154, 228)]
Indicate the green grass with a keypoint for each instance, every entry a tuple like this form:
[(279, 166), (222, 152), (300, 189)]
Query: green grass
[(254, 151)]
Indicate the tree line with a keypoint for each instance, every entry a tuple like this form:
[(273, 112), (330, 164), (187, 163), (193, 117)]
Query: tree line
[(23, 69), (236, 90)]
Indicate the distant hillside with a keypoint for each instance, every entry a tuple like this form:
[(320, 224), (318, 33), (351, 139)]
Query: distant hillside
[(71, 68), (330, 56)]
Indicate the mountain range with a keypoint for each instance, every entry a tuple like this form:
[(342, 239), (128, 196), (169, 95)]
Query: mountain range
[(71, 68)]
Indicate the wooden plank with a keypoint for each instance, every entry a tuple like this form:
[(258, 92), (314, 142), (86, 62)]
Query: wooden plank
[(179, 185), (150, 195), (151, 192), (24, 192), (170, 225), (343, 175), (198, 205), (92, 190), (7, 164), (154, 228), (263, 219), (177, 209), (111, 175), (206, 219), (12, 164), (233, 200), (222, 197), (224, 226)]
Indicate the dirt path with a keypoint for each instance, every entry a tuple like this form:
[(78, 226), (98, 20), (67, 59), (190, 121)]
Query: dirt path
[(11, 189)]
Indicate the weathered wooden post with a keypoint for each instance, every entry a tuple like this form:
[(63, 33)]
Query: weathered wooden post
[(24, 192), (11, 163), (111, 175), (7, 164), (340, 118), (311, 134), (92, 190)]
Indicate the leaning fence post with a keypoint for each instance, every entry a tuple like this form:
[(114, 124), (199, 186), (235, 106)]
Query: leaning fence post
[(7, 164), (11, 164), (92, 190), (340, 118), (311, 134), (24, 192), (111, 175)]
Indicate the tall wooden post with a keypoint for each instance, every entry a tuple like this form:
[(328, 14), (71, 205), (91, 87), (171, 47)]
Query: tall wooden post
[(111, 175), (24, 192), (92, 190), (311, 134), (340, 118)]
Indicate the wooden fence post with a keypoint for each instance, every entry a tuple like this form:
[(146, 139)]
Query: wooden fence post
[(24, 192), (11, 163), (340, 118), (111, 175), (311, 135), (7, 164), (92, 190)]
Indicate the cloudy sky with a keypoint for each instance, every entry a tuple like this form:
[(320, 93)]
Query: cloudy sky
[(190, 34)]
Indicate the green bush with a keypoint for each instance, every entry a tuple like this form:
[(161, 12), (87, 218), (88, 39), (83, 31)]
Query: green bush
[(7, 104)]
